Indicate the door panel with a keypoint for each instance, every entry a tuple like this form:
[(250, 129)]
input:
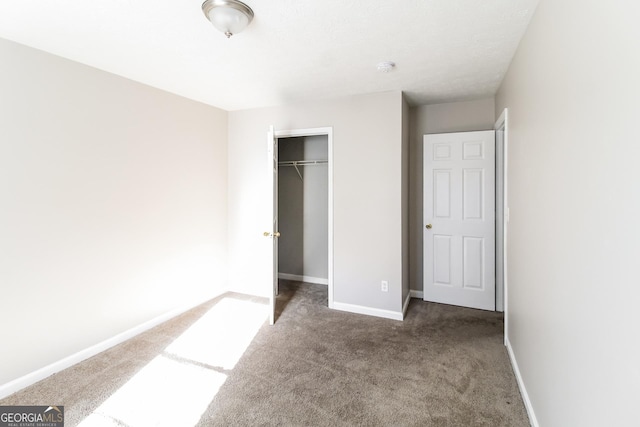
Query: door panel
[(442, 259), (473, 196), (442, 193), (473, 262), (459, 206)]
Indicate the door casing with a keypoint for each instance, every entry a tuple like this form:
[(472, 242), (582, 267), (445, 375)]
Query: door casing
[(502, 124), (328, 131)]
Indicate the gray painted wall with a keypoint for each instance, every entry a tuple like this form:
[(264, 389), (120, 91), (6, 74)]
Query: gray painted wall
[(113, 206), (437, 118), (367, 146), (303, 208), (574, 233)]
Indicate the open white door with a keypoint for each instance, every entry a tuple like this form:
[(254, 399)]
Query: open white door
[(272, 220), (459, 219)]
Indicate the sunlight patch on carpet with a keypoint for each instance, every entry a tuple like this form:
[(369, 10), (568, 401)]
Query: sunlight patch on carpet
[(177, 386), (220, 337)]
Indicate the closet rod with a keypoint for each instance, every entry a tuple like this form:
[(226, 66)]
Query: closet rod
[(296, 163), (302, 162)]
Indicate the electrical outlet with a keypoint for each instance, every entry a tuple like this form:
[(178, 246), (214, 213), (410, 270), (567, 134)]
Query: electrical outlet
[(385, 286)]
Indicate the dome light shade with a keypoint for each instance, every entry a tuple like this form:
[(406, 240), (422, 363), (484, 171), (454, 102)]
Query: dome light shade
[(228, 16)]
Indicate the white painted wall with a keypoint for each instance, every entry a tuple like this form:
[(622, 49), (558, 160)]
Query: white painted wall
[(367, 144), (437, 118), (574, 234), (113, 206), (303, 208)]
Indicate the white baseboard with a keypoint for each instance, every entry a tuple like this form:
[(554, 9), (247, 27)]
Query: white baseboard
[(405, 305), (523, 390), (42, 373), (416, 294), (360, 309), (308, 279)]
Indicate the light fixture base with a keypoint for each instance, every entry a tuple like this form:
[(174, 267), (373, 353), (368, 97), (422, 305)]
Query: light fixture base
[(386, 66)]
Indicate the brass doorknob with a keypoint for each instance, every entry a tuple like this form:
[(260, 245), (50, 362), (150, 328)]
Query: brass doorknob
[(267, 234), (429, 226), (276, 234)]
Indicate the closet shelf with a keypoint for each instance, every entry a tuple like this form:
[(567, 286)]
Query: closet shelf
[(303, 162), (296, 163)]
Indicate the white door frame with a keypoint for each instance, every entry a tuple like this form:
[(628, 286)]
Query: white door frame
[(502, 124), (313, 132), (272, 233)]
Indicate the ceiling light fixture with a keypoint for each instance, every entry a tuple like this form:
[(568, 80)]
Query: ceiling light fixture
[(228, 16), (386, 66)]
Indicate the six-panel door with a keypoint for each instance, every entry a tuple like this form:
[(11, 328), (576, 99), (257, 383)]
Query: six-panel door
[(459, 219)]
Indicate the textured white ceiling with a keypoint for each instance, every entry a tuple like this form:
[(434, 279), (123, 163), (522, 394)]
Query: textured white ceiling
[(294, 50)]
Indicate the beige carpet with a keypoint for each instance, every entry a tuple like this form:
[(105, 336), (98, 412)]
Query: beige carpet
[(222, 365)]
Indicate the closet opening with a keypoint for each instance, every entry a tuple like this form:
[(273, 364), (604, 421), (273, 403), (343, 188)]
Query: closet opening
[(305, 220)]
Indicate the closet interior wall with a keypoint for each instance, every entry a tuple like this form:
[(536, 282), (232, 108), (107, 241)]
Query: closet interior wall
[(303, 248)]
